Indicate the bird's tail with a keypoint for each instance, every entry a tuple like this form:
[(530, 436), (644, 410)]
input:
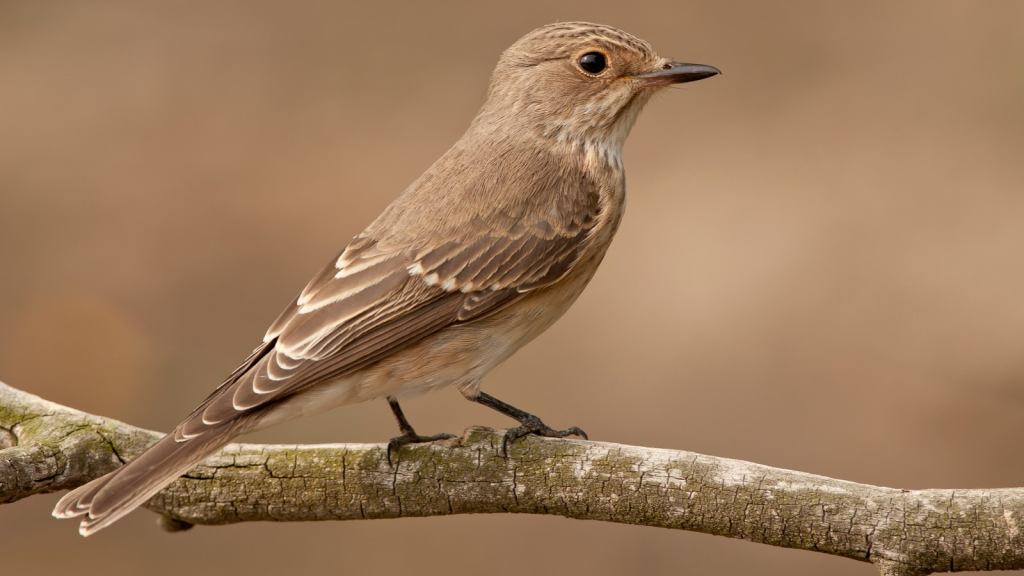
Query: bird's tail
[(106, 499)]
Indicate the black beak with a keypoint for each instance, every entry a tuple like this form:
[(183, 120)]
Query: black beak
[(678, 73)]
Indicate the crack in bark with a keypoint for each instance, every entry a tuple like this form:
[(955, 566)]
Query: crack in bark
[(113, 448)]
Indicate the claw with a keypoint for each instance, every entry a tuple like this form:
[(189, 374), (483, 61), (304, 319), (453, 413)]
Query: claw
[(413, 438), (534, 425)]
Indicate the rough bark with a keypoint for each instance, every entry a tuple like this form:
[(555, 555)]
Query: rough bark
[(45, 447)]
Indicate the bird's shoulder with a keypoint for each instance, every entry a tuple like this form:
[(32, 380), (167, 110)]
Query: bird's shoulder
[(473, 222), (475, 190)]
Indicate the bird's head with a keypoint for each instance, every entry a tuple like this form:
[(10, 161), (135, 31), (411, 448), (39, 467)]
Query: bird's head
[(580, 84)]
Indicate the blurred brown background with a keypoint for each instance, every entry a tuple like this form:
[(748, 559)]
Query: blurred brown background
[(821, 266)]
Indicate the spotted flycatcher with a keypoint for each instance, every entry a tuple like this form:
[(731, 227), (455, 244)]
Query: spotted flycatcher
[(477, 257)]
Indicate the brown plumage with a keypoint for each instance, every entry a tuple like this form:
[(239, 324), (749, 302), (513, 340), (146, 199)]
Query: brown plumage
[(477, 257)]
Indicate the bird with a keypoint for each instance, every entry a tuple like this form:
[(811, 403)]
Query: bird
[(476, 258)]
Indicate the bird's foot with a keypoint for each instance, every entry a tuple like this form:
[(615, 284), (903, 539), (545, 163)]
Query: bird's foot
[(534, 425), (412, 437)]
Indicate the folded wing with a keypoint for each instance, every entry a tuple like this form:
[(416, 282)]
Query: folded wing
[(370, 302)]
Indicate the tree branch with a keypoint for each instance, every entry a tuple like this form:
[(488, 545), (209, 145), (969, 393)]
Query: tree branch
[(45, 447)]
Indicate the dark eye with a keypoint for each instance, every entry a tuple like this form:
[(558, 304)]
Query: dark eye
[(593, 62)]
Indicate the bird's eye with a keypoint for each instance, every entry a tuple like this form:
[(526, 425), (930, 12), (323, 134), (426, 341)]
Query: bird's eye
[(593, 62)]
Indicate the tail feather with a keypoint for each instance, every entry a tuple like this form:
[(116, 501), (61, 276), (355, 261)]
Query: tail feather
[(69, 506), (106, 499)]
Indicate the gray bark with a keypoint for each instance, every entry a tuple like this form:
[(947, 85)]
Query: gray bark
[(45, 447)]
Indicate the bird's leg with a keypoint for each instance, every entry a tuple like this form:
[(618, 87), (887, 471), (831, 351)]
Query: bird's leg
[(409, 435), (529, 424)]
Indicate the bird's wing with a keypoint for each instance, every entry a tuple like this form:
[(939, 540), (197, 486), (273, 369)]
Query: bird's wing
[(371, 301)]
